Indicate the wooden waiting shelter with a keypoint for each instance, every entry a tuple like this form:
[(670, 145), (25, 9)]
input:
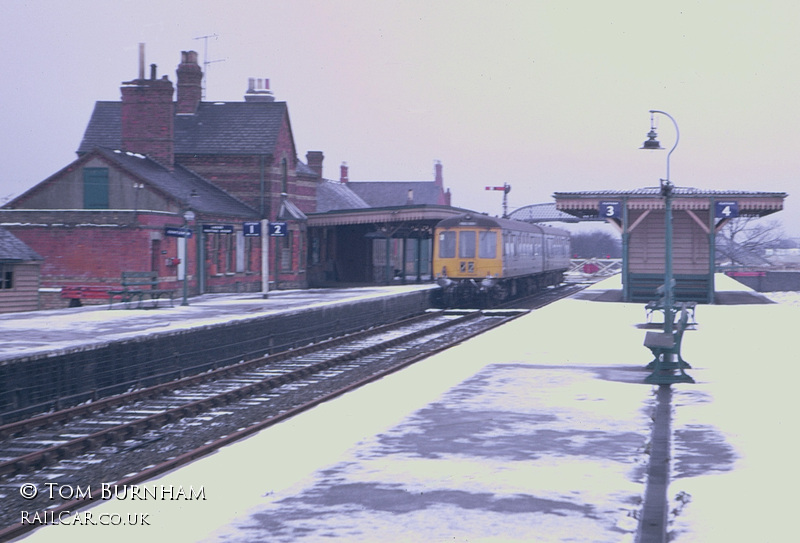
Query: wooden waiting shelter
[(640, 216)]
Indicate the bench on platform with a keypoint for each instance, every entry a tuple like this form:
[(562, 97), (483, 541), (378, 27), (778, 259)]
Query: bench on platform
[(665, 345), (75, 294), (658, 305), (138, 286)]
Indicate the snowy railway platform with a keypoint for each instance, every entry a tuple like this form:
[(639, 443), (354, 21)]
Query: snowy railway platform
[(27, 334), (536, 431)]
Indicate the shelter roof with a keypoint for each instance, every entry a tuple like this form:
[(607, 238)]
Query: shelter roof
[(289, 211), (585, 204), (12, 249), (392, 214)]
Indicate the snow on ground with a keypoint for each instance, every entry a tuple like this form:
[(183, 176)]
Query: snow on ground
[(526, 433), (535, 431), (735, 474)]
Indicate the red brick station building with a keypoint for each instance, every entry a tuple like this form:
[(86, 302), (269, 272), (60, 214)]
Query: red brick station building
[(166, 182)]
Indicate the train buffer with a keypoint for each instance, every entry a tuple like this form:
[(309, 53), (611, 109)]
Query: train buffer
[(666, 349)]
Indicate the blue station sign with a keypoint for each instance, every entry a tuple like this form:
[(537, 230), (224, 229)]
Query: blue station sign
[(176, 232), (251, 229), (610, 210), (277, 229), (726, 210), (218, 229)]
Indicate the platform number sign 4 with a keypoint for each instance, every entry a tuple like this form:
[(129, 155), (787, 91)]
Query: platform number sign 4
[(277, 229), (726, 210), (610, 210)]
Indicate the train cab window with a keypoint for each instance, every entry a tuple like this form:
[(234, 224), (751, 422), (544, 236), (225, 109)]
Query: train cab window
[(487, 245), (466, 244), (447, 245)]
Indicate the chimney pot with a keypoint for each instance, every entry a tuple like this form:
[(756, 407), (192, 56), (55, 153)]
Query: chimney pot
[(141, 61), (258, 91), (152, 71)]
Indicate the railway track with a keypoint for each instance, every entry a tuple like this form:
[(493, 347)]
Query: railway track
[(134, 436)]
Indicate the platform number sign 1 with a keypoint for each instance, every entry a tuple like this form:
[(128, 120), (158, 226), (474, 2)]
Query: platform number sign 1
[(251, 229), (726, 210), (610, 210), (277, 229)]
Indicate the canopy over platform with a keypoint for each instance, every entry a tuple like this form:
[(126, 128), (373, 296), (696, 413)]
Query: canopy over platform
[(697, 215)]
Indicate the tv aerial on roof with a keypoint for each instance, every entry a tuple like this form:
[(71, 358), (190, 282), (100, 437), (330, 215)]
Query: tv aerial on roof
[(206, 62)]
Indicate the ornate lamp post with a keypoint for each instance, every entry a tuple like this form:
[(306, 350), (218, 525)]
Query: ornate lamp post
[(666, 191), (665, 363)]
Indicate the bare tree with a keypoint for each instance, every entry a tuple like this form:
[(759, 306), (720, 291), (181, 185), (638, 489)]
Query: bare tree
[(742, 241)]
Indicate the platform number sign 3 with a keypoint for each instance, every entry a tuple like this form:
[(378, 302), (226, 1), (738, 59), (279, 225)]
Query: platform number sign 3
[(726, 210), (610, 210)]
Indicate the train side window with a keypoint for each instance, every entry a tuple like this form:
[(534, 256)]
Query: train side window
[(487, 245), (447, 245), (466, 244)]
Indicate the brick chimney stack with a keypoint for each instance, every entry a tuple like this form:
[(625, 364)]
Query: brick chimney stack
[(343, 175), (438, 180), (147, 116), (190, 84), (314, 160)]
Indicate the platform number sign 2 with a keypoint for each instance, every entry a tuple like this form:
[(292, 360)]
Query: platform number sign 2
[(726, 210), (610, 210), (277, 229)]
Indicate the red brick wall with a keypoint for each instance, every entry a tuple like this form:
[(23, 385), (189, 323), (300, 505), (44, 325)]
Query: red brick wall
[(240, 176)]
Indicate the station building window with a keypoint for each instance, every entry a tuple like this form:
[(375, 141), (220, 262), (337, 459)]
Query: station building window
[(95, 188), (6, 276), (285, 244), (221, 253)]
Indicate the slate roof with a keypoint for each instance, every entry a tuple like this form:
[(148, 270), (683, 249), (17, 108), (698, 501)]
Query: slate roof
[(541, 213), (181, 184), (336, 196), (234, 128), (13, 249), (395, 193)]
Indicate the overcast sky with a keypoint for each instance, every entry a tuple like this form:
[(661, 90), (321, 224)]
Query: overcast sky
[(544, 95)]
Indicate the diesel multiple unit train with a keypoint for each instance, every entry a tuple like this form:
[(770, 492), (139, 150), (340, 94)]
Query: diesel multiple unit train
[(485, 260)]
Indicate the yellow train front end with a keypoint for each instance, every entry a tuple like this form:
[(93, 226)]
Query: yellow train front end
[(467, 254)]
